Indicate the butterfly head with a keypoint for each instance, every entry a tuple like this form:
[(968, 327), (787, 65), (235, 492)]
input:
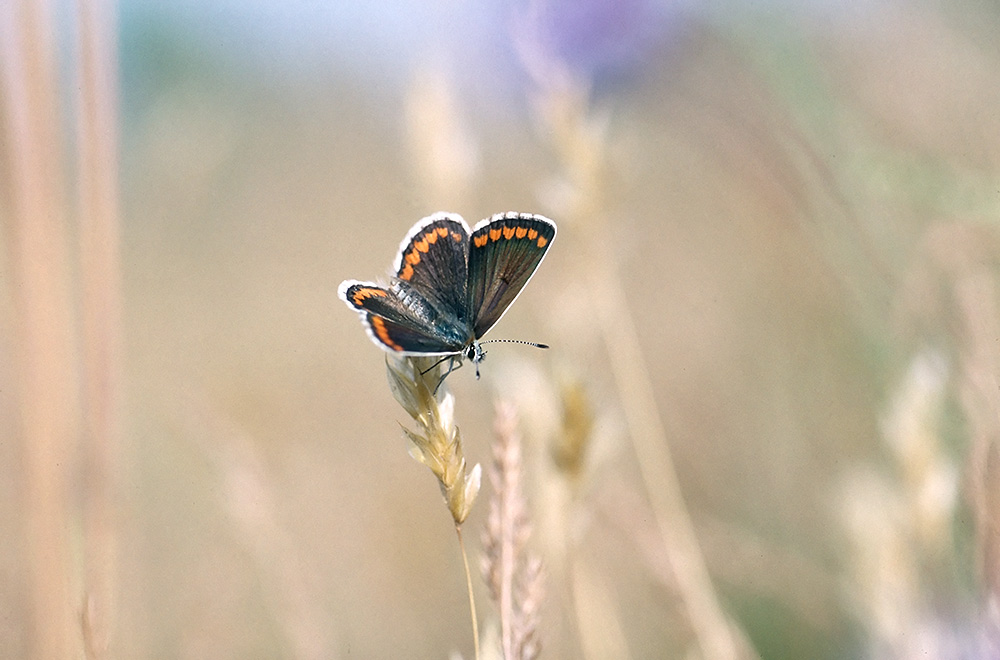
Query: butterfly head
[(475, 353)]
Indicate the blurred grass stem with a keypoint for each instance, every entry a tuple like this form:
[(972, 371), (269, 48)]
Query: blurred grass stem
[(975, 292), (37, 240), (100, 313), (657, 469), (417, 386), (579, 140), (512, 573)]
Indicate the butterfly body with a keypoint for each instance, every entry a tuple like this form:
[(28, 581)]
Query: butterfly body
[(451, 284)]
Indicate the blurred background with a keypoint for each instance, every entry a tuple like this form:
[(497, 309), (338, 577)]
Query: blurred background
[(767, 425)]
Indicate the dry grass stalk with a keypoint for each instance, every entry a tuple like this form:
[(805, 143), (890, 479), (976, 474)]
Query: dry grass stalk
[(446, 161), (436, 443), (951, 298), (900, 528), (584, 614), (513, 576), (417, 386), (251, 503), (101, 314), (599, 623), (578, 136), (46, 362), (974, 280), (444, 153)]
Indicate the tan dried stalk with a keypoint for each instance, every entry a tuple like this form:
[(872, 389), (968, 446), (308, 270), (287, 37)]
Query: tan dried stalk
[(513, 576), (951, 297), (968, 256), (46, 364), (417, 386), (577, 135), (900, 526), (100, 284), (444, 152), (251, 502)]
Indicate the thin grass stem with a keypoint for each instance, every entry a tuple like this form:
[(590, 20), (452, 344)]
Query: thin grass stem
[(472, 597), (714, 635), (100, 311), (578, 137), (45, 357)]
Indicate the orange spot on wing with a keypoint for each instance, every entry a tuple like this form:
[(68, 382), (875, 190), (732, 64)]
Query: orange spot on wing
[(383, 333), (432, 237), (495, 234), (508, 232), (421, 245), (413, 258), (407, 272), (542, 241), (532, 233), (480, 241), (442, 231), (521, 231), (456, 236), (363, 294)]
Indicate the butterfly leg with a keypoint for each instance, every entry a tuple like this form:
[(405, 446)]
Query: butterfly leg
[(455, 362), (446, 357)]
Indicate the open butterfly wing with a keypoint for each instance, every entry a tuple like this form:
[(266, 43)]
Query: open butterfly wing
[(433, 260), (504, 252)]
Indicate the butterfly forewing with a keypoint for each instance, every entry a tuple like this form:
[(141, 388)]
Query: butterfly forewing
[(504, 252), (433, 259)]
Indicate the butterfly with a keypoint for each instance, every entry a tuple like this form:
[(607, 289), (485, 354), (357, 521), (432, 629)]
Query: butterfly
[(451, 284)]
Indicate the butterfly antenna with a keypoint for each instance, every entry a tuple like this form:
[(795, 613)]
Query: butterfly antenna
[(514, 341)]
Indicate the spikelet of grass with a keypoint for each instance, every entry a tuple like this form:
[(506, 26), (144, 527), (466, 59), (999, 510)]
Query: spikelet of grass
[(513, 576), (416, 384), (575, 438), (967, 256), (900, 527), (444, 152), (600, 624), (951, 297), (570, 446), (436, 443)]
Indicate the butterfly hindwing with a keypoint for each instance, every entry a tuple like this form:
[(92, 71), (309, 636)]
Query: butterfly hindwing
[(504, 252), (392, 323), (433, 259)]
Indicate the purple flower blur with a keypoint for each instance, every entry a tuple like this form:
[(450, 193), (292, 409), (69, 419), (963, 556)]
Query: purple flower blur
[(601, 40)]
